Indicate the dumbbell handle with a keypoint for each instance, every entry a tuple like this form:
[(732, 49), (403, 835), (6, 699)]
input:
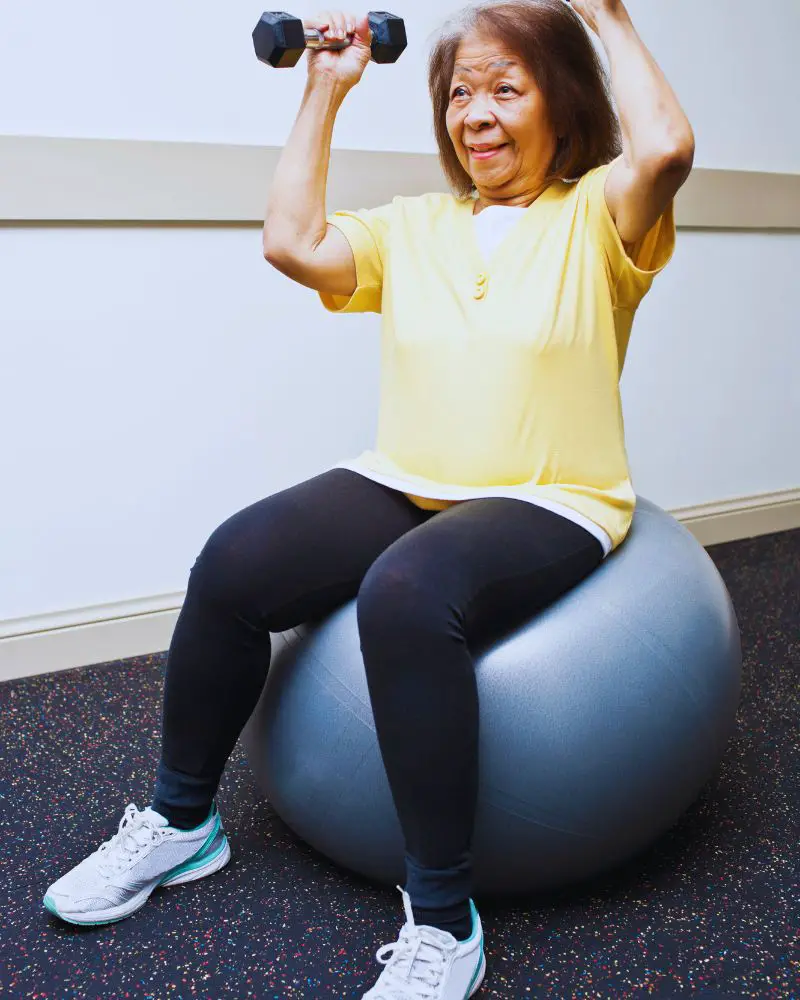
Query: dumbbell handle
[(316, 40)]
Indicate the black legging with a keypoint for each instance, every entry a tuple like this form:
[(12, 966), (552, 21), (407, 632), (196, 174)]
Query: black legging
[(429, 585)]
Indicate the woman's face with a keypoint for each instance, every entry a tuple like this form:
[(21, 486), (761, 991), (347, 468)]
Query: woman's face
[(495, 103)]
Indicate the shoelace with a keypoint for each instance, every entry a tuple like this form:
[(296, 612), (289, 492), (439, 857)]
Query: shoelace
[(415, 963), (125, 845)]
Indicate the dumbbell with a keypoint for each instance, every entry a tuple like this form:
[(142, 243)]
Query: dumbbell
[(280, 39)]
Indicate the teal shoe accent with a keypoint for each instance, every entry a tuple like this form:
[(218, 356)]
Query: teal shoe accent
[(193, 864), (209, 839), (474, 913), (480, 954), (51, 906), (480, 968), (202, 857), (477, 969)]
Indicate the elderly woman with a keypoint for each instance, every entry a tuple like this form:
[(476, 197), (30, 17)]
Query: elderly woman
[(499, 478)]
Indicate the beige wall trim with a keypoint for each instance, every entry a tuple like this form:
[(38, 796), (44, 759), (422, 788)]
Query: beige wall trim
[(116, 180), (741, 517), (99, 642), (43, 644)]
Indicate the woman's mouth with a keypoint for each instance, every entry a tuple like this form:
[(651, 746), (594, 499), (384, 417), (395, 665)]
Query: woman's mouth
[(484, 152)]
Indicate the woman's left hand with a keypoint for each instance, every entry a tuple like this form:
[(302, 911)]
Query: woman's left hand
[(591, 10)]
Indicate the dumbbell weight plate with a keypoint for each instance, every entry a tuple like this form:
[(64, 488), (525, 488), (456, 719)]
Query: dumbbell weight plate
[(279, 39), (388, 36)]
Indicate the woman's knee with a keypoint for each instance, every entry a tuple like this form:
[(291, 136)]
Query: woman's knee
[(397, 594), (234, 561)]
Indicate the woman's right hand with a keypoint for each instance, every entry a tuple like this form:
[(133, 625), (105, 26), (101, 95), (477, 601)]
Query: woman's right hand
[(344, 66)]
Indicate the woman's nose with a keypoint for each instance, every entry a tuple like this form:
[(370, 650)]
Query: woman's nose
[(478, 113)]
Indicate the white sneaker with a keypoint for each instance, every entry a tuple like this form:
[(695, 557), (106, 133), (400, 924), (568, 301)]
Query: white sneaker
[(146, 852), (429, 964)]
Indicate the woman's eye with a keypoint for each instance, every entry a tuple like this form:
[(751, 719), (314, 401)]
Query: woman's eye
[(504, 88)]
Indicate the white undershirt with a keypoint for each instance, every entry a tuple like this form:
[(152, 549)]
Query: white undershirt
[(492, 224)]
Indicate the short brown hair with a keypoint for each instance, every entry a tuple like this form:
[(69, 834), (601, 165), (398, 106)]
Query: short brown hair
[(549, 36)]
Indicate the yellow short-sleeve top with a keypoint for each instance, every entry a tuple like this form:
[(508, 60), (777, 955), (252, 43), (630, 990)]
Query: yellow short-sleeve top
[(500, 377)]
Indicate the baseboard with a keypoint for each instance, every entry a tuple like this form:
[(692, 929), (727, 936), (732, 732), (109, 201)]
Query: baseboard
[(741, 517), (47, 643), (52, 649)]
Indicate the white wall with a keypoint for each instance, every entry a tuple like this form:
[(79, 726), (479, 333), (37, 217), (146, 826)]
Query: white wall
[(186, 71), (155, 380)]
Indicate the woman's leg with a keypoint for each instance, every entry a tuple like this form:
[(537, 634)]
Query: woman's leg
[(285, 560), (473, 572)]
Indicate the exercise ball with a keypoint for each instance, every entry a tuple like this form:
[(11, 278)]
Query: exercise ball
[(601, 719)]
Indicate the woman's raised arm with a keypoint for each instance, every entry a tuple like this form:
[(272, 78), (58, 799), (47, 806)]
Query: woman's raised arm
[(658, 142), (297, 239)]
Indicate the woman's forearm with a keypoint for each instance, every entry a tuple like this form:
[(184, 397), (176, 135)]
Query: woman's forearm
[(295, 215), (655, 129)]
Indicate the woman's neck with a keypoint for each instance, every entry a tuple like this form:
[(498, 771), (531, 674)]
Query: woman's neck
[(523, 200)]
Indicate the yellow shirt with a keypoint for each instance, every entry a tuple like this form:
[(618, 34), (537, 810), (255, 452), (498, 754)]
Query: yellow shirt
[(500, 377)]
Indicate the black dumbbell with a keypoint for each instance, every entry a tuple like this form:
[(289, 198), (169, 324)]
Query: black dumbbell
[(280, 39)]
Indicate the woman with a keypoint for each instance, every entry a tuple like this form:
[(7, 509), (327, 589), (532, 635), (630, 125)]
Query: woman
[(500, 478)]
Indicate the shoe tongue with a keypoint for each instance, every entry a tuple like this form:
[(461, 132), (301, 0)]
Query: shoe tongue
[(431, 932), (155, 817), (438, 934)]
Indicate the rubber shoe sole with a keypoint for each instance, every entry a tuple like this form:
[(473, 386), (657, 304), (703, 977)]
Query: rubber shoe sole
[(190, 871)]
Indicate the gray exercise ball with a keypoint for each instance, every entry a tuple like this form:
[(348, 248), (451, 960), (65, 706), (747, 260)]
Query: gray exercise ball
[(601, 720)]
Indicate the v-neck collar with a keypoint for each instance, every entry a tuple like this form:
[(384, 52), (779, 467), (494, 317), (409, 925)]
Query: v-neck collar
[(466, 217)]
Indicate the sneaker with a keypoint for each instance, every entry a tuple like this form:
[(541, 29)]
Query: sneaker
[(426, 962), (145, 853)]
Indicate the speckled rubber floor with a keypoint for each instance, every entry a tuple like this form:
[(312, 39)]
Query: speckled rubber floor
[(712, 911)]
